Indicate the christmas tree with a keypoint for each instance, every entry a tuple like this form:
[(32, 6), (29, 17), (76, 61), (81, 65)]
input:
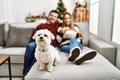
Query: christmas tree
[(61, 9)]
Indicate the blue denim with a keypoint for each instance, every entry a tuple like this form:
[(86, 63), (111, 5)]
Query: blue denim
[(29, 58), (73, 43)]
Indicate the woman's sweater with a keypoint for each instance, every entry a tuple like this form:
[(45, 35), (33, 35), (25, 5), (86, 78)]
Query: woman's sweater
[(64, 38)]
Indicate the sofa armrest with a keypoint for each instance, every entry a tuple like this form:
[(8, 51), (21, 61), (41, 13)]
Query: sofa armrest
[(103, 47)]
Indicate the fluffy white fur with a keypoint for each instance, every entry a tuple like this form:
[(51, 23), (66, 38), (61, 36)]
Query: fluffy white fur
[(45, 53)]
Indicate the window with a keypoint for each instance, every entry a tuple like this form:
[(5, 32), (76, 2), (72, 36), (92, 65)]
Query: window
[(116, 23), (94, 15)]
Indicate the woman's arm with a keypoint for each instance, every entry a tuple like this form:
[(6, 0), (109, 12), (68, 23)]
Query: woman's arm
[(59, 36)]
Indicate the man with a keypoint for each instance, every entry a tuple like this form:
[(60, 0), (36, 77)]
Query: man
[(52, 25)]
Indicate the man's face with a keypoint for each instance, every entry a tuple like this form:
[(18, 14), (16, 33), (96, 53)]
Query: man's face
[(52, 18)]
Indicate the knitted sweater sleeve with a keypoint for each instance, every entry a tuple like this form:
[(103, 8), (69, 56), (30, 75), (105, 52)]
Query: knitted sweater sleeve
[(59, 35)]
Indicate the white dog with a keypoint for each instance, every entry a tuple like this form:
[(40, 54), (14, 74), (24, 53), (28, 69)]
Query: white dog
[(45, 53)]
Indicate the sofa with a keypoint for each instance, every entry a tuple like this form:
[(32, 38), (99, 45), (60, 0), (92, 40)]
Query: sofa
[(14, 38)]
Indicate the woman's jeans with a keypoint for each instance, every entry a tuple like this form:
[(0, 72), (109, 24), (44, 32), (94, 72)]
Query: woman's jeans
[(29, 58), (73, 43)]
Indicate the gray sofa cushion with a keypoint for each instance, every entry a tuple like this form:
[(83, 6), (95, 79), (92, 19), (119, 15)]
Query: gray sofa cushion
[(16, 54), (96, 69), (19, 36), (1, 34), (85, 29), (104, 48)]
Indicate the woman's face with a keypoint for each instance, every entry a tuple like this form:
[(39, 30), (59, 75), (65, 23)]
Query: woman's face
[(67, 19)]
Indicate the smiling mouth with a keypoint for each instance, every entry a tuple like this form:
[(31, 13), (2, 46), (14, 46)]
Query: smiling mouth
[(51, 19)]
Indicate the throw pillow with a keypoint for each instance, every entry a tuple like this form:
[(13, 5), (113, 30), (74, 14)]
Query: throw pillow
[(85, 29), (2, 34), (19, 36)]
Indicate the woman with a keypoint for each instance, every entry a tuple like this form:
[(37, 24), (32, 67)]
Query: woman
[(70, 39)]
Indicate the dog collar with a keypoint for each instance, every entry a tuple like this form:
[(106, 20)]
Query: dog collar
[(43, 50)]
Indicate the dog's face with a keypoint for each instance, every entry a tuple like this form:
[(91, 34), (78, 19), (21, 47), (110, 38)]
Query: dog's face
[(43, 37)]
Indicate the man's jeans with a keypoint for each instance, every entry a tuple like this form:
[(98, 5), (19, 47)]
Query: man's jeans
[(73, 43), (29, 58)]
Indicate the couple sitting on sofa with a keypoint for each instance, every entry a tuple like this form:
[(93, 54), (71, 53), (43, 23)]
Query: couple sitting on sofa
[(69, 43)]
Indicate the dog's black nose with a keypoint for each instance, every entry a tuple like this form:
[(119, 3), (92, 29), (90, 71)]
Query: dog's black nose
[(41, 38)]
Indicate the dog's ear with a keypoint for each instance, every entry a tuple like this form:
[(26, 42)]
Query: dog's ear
[(34, 36), (51, 34)]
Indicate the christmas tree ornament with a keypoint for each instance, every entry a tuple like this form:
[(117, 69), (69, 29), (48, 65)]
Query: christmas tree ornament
[(61, 9)]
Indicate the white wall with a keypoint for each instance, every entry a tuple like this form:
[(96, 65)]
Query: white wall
[(1, 11), (69, 5), (17, 10)]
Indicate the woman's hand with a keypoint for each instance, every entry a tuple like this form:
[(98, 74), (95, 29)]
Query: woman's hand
[(64, 29)]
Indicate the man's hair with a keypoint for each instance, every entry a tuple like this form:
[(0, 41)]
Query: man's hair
[(55, 11)]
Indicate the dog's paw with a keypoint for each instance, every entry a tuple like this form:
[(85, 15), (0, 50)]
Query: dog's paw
[(50, 69), (41, 68), (55, 64)]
